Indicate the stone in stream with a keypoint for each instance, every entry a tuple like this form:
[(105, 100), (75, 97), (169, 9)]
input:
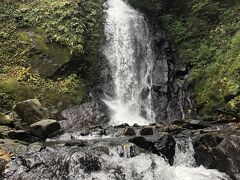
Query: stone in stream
[(221, 152), (122, 125), (144, 144), (128, 150), (90, 163), (76, 142), (198, 124), (45, 127), (19, 135), (146, 131), (166, 146), (31, 111), (136, 125), (129, 131), (84, 132)]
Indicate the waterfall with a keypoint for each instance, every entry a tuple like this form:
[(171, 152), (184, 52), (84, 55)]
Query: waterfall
[(128, 51), (184, 153)]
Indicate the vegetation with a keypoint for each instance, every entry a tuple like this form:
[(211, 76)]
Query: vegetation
[(39, 37), (206, 34)]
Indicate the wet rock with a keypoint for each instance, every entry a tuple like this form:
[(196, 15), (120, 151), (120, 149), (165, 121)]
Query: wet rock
[(90, 114), (122, 125), (128, 150), (84, 132), (45, 127), (163, 145), (103, 132), (166, 146), (198, 124), (34, 147), (102, 148), (77, 142), (129, 131), (221, 153), (31, 111), (90, 163), (21, 135), (144, 144), (136, 125), (146, 131), (33, 162)]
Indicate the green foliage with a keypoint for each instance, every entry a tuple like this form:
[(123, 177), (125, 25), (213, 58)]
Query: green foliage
[(32, 32), (206, 34), (151, 6)]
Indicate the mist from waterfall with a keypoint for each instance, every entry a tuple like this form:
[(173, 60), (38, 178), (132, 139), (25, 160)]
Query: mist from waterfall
[(128, 51)]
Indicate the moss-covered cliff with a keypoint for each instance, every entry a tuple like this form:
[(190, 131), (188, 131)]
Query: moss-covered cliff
[(207, 37), (37, 39)]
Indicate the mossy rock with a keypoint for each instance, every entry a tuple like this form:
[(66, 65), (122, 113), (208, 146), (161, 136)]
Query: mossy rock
[(44, 57), (6, 120), (31, 111)]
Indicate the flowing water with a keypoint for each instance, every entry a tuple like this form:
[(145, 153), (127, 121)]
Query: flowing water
[(128, 51)]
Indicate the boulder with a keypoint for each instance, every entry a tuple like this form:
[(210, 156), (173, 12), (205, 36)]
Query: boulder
[(219, 152), (6, 120), (84, 132), (146, 131), (166, 146), (128, 150), (122, 125), (44, 128), (129, 131), (31, 111), (19, 135), (90, 163), (163, 145), (144, 144)]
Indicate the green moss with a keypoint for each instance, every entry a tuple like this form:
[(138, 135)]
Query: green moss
[(37, 37)]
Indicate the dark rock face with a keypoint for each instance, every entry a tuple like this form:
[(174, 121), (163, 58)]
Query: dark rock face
[(144, 144), (79, 143), (217, 152), (19, 135), (90, 163), (146, 131), (88, 114), (129, 131), (166, 146), (170, 100)]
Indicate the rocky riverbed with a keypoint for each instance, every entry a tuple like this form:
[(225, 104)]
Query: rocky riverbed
[(95, 151)]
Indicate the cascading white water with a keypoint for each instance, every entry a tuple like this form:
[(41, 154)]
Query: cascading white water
[(184, 153), (142, 167), (128, 50)]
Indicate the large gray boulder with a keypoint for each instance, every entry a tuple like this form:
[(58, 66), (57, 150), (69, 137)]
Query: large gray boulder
[(45, 127), (31, 111), (219, 151)]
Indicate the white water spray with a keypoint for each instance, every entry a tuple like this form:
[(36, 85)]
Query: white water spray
[(128, 51)]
